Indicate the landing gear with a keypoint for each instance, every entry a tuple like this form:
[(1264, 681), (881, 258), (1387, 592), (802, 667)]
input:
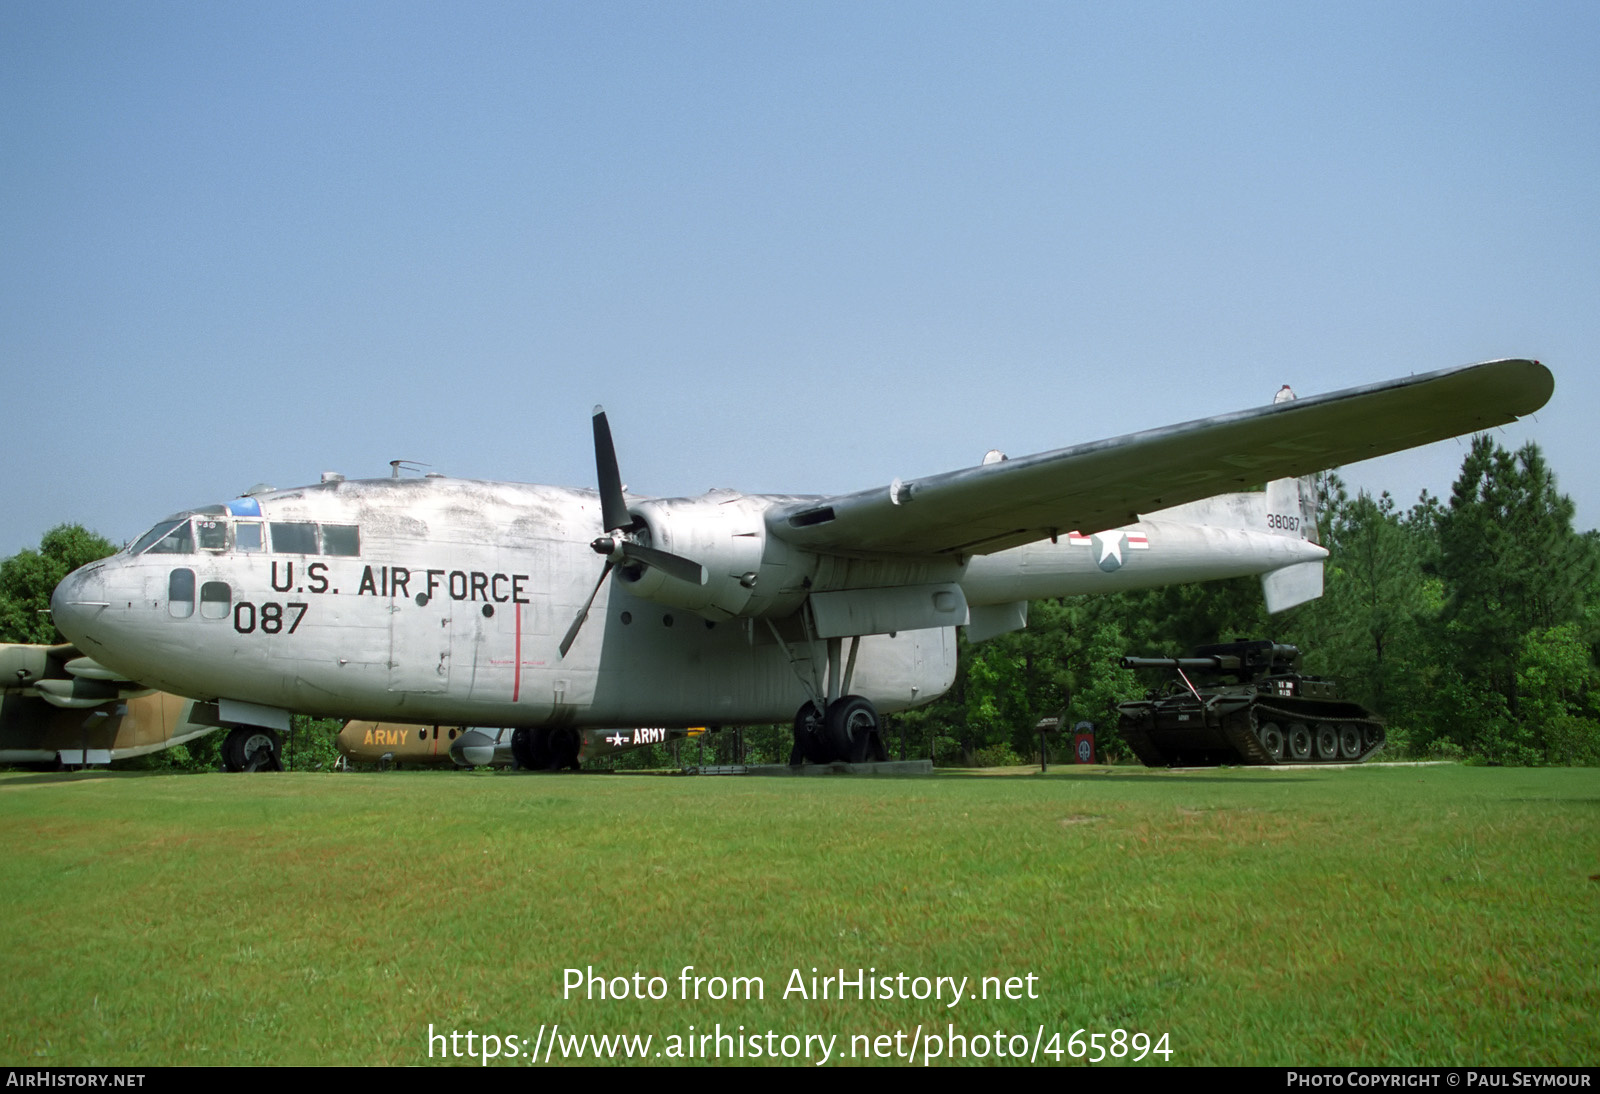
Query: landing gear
[(564, 744), (849, 732), (543, 748), (853, 730), (249, 748), (810, 737)]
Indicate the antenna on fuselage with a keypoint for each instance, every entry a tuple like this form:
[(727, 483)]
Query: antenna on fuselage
[(409, 465)]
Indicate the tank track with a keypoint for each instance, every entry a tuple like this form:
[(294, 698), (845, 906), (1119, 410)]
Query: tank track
[(1327, 726)]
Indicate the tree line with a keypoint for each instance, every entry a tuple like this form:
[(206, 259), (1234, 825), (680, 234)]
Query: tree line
[(1471, 625)]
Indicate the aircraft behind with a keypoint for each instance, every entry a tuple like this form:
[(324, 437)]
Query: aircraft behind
[(60, 709)]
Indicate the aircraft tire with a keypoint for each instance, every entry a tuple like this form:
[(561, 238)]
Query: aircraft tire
[(852, 723), (810, 737), (562, 744), (251, 748), (530, 747)]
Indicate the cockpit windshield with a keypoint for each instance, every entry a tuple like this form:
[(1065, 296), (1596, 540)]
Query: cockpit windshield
[(170, 537), (177, 536)]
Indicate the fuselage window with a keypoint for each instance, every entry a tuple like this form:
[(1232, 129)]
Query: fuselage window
[(247, 538), (180, 593), (294, 537), (216, 598), (213, 534), (167, 538), (341, 539)]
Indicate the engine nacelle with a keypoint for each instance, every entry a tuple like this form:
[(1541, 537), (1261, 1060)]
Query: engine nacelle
[(725, 532)]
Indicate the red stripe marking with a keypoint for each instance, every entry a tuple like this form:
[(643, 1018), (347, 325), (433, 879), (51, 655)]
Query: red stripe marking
[(516, 674)]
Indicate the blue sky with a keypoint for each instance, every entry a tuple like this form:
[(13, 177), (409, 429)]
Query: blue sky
[(798, 248)]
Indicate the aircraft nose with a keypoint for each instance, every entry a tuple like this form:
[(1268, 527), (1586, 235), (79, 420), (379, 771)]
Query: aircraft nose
[(77, 600)]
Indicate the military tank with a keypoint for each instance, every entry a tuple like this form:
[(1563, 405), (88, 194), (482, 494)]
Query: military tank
[(1244, 703)]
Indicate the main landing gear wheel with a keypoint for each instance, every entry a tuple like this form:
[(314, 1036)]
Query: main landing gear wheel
[(250, 748), (530, 747), (810, 738), (852, 730), (540, 748), (564, 745)]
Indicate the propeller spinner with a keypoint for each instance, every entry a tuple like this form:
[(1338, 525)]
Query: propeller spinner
[(620, 525)]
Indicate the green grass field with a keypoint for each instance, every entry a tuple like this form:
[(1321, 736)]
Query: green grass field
[(1375, 916)]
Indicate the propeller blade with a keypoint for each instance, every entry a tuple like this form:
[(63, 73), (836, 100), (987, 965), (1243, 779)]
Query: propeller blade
[(583, 613), (613, 508), (673, 565)]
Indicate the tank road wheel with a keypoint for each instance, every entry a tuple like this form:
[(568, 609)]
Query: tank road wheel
[(1371, 736), (530, 747), (810, 741), (852, 725), (1272, 740), (1297, 741), (1349, 741), (1327, 741), (251, 748)]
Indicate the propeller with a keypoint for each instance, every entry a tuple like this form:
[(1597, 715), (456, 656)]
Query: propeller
[(616, 545)]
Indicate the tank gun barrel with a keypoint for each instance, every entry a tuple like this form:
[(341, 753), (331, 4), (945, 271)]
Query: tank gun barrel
[(1215, 664)]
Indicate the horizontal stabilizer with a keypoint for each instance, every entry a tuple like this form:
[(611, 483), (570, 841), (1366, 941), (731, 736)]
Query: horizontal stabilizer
[(1292, 585)]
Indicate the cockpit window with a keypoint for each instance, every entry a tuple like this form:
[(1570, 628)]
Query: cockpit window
[(213, 534), (151, 536), (170, 537), (341, 539), (294, 538), (247, 537)]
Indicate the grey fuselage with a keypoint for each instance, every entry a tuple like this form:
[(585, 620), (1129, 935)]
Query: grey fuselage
[(444, 600)]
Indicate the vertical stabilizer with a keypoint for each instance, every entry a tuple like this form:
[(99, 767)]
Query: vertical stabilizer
[(1292, 512)]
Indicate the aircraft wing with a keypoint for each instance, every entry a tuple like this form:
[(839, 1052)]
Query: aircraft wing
[(1106, 484)]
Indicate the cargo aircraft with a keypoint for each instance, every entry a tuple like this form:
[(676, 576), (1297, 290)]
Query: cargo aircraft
[(547, 610)]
